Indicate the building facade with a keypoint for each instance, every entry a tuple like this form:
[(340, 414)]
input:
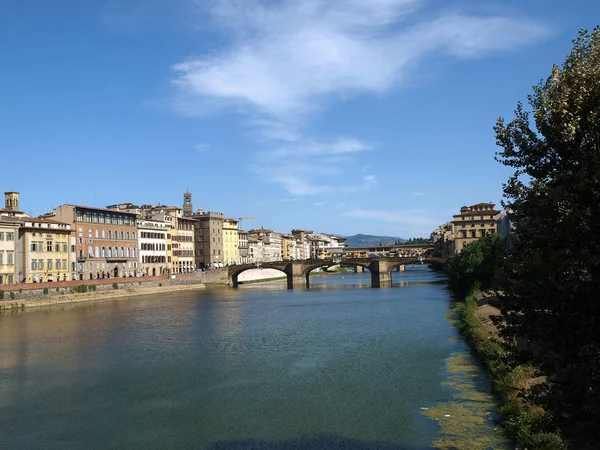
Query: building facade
[(106, 241), (243, 247), (152, 241), (271, 243), (46, 250), (231, 250), (183, 245), (209, 239), (9, 250), (474, 222)]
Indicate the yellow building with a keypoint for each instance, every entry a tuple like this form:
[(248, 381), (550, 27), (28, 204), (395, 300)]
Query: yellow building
[(46, 250), (288, 247), (474, 222), (231, 252)]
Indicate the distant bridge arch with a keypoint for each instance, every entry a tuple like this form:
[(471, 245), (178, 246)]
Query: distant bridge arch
[(298, 272)]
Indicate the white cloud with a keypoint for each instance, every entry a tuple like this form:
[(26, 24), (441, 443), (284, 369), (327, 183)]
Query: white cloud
[(279, 62), (417, 194), (284, 58), (301, 167), (202, 147)]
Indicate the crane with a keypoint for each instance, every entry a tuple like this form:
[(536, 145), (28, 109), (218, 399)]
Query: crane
[(240, 219)]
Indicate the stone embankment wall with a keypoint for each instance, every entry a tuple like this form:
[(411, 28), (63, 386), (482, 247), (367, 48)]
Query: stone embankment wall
[(37, 290)]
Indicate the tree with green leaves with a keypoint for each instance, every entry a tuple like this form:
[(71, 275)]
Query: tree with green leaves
[(476, 266), (551, 283)]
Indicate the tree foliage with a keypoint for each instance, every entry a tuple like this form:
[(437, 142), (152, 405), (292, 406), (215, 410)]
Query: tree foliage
[(476, 265), (415, 241), (552, 279)]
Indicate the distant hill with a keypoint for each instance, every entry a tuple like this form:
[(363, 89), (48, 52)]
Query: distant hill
[(365, 240)]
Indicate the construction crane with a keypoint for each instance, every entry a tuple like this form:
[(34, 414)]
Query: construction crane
[(240, 219)]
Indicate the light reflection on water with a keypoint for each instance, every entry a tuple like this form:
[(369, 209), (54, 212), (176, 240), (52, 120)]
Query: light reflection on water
[(338, 365)]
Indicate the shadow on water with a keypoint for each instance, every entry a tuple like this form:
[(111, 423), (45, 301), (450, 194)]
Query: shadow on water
[(321, 442)]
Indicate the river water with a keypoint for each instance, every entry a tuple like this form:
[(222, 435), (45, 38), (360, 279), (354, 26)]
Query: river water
[(339, 365)]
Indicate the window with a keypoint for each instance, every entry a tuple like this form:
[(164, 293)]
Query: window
[(64, 264), (122, 235), (101, 218), (91, 266), (79, 216), (1, 236), (10, 236), (57, 247), (96, 234), (49, 262), (1, 257), (108, 219), (127, 235), (81, 232), (103, 234), (120, 220), (65, 247), (90, 233), (57, 264), (97, 252), (95, 215), (109, 234), (103, 252), (10, 279), (88, 216), (34, 265)]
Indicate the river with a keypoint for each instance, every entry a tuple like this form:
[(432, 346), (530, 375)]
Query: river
[(339, 365)]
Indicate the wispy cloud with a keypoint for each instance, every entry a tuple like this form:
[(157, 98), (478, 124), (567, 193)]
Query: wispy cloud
[(285, 58), (417, 194), (202, 147), (280, 62), (300, 167)]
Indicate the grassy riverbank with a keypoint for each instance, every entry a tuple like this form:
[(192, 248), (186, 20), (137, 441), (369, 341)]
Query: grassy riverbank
[(262, 280), (524, 421)]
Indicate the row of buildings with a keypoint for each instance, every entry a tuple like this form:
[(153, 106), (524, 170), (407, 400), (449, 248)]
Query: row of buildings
[(472, 223), (76, 242)]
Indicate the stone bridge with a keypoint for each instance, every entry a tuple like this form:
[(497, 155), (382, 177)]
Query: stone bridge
[(298, 272)]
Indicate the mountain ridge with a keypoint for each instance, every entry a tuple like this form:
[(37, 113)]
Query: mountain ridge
[(368, 240)]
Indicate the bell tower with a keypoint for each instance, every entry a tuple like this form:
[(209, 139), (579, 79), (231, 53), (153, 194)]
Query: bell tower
[(11, 201), (188, 208)]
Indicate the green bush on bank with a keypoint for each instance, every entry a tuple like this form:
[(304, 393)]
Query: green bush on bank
[(527, 426), (476, 264)]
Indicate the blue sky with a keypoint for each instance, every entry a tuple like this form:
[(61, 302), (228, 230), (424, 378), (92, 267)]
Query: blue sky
[(341, 116)]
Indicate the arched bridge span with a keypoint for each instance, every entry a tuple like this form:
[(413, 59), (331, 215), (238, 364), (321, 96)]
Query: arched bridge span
[(297, 272)]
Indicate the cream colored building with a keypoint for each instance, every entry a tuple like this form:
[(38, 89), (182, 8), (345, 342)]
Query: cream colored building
[(231, 253), (152, 239), (46, 250), (9, 251), (474, 222)]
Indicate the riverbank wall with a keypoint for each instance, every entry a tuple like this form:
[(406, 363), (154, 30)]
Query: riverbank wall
[(16, 292)]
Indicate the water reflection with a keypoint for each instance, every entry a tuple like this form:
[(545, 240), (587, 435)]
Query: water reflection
[(339, 365)]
